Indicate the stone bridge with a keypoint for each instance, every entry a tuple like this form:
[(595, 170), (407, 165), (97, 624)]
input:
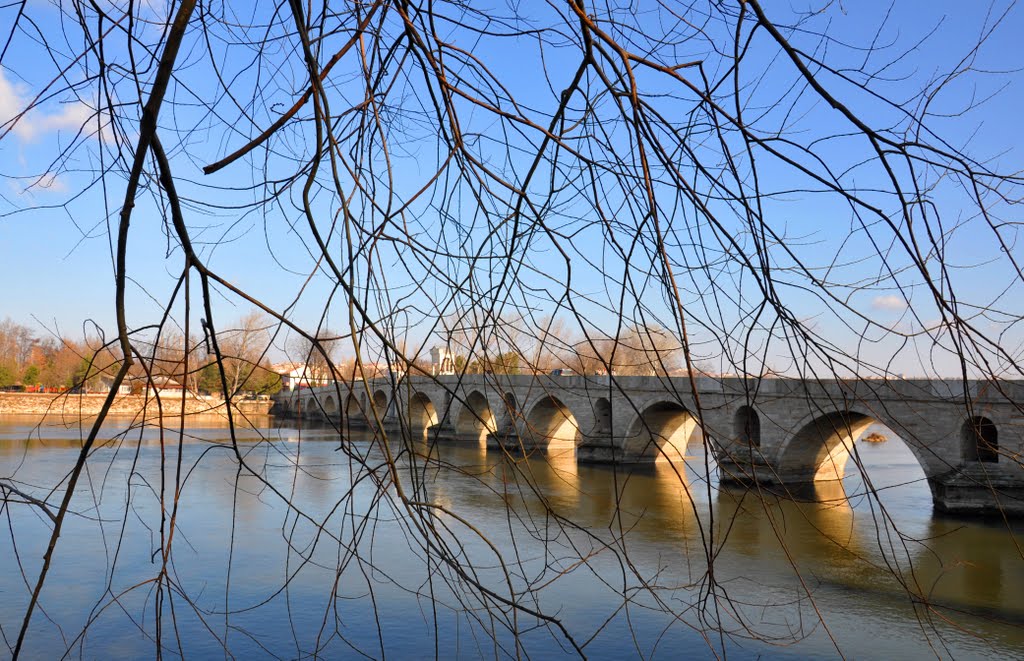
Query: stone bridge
[(967, 436)]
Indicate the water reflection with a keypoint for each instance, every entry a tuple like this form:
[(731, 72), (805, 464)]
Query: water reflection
[(973, 566), (292, 545)]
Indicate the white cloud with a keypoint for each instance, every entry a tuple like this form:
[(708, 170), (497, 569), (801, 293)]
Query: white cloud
[(50, 183), (30, 124), (889, 302), (12, 102), (70, 116)]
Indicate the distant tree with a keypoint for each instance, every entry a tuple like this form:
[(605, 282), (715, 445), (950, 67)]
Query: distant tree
[(551, 346), (486, 342), (80, 375), (30, 375), (243, 346), (318, 354), (97, 366), (644, 351), (637, 351), (262, 380), (461, 332), (8, 377), (15, 344), (588, 356), (420, 366), (208, 380), (172, 357), (62, 362), (505, 363)]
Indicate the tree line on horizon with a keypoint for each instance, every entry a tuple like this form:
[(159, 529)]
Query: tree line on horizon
[(501, 346), (480, 342), (89, 363)]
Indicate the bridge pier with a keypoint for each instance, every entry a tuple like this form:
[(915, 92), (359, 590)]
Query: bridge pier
[(976, 490), (745, 471), (598, 449), (450, 433), (509, 441)]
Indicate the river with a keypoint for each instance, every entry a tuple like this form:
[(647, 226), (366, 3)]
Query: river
[(291, 543)]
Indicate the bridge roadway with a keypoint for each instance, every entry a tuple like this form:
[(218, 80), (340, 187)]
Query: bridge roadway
[(968, 437)]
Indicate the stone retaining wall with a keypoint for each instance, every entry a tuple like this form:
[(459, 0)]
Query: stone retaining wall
[(77, 405)]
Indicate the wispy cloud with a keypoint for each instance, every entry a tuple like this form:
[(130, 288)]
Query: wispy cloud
[(31, 123), (46, 183), (50, 183), (890, 302), (13, 99)]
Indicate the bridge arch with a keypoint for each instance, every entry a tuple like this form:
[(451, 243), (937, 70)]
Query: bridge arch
[(380, 403), (476, 419), (602, 416), (821, 446), (660, 433), (312, 408), (352, 409), (422, 413), (550, 425), (979, 440), (747, 427)]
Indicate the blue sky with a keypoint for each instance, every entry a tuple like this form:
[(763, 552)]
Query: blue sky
[(60, 257)]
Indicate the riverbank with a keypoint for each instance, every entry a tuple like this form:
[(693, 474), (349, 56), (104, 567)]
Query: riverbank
[(83, 406)]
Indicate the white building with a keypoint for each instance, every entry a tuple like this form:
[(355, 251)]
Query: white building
[(442, 361), (163, 386), (298, 375)]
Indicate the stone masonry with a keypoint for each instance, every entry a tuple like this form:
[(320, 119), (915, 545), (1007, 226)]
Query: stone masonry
[(80, 406), (777, 432)]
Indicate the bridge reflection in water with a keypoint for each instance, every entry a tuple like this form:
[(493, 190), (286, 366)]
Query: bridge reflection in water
[(857, 532), (813, 548)]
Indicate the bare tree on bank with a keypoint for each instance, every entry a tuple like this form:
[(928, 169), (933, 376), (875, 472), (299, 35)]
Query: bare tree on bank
[(637, 351), (15, 348), (319, 355), (485, 343), (742, 182)]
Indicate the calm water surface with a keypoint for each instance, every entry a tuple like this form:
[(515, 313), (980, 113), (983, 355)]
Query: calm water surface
[(294, 547)]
